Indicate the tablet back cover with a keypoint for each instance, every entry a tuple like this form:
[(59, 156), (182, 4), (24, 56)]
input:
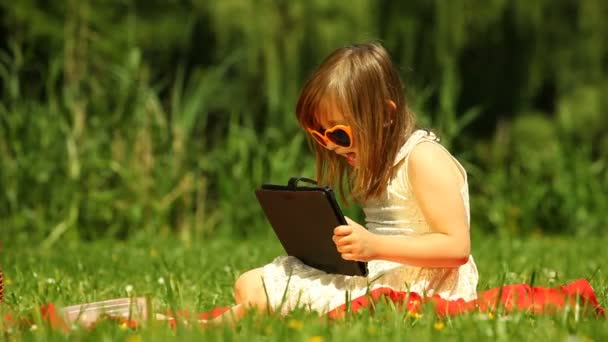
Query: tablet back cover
[(304, 221)]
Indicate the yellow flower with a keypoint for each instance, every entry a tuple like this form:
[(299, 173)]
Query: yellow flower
[(134, 338), (8, 281), (490, 315), (295, 324), (414, 314), (124, 326), (316, 338), (372, 330), (153, 253), (439, 325)]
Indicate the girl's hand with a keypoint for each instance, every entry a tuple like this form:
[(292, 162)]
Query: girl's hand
[(354, 242)]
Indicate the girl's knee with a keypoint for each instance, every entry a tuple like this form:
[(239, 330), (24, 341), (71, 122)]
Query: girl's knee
[(249, 289)]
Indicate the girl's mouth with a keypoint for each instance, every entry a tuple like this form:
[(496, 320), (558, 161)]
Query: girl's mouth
[(350, 158)]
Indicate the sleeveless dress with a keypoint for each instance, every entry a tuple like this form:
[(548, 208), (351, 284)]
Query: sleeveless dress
[(291, 284)]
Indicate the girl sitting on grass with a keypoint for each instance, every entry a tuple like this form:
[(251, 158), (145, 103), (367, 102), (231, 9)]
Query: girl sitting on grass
[(414, 193)]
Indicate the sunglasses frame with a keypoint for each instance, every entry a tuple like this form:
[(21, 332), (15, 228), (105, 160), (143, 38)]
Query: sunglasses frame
[(323, 139)]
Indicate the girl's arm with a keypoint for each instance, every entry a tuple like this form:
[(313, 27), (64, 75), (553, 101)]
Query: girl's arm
[(436, 183)]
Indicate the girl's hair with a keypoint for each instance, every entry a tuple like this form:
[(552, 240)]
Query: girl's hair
[(360, 81)]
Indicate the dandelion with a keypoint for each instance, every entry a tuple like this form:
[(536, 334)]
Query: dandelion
[(372, 330), (123, 326), (439, 325), (33, 327), (8, 281), (134, 338), (129, 289), (316, 338), (490, 315), (413, 314), (551, 274), (295, 324)]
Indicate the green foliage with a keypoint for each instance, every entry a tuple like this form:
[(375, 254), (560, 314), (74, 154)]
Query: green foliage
[(126, 116), (199, 277), (544, 177)]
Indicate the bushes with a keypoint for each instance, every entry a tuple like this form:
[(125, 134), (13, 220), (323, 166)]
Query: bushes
[(128, 117)]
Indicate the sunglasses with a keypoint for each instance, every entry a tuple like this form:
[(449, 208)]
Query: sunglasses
[(340, 135)]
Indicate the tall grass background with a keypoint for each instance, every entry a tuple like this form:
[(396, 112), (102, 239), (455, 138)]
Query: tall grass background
[(120, 118)]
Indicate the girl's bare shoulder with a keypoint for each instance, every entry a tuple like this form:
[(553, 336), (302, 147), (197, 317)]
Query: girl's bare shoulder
[(433, 163)]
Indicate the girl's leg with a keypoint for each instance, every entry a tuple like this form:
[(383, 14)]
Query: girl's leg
[(249, 289), (248, 293)]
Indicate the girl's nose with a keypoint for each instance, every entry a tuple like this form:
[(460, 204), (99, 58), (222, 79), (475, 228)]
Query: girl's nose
[(330, 145)]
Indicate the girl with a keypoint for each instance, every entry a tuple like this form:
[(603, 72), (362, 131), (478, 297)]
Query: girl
[(415, 194)]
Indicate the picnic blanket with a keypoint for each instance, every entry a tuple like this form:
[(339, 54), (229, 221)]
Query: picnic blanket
[(578, 295)]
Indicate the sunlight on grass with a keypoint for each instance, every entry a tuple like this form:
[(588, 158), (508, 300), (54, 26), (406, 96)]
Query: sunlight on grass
[(199, 277)]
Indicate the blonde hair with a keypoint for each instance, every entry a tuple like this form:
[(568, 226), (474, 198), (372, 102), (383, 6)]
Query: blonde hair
[(360, 80)]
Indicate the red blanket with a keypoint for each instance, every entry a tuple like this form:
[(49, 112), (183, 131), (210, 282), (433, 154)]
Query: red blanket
[(534, 299), (522, 297), (505, 299)]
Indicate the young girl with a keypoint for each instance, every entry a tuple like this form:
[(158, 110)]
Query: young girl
[(414, 192)]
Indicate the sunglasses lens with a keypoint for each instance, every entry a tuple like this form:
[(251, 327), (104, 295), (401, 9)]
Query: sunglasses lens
[(339, 137)]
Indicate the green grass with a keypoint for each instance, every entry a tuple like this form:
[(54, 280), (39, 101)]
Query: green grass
[(199, 276)]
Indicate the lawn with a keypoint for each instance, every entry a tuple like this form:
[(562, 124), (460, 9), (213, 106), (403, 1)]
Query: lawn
[(199, 276)]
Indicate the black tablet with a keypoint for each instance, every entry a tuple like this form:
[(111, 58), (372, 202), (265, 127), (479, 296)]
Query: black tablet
[(304, 218)]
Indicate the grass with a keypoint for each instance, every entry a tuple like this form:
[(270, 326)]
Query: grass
[(199, 276)]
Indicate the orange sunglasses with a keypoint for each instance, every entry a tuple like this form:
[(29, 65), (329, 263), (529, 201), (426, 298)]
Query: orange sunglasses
[(340, 135)]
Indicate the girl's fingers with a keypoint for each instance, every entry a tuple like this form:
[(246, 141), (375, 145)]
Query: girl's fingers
[(348, 256), (345, 249), (341, 240), (343, 230)]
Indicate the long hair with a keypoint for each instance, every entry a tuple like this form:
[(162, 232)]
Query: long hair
[(360, 80)]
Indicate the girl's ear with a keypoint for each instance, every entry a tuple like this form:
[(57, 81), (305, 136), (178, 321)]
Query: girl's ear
[(393, 108)]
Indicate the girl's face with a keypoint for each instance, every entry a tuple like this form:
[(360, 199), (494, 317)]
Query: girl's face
[(329, 119)]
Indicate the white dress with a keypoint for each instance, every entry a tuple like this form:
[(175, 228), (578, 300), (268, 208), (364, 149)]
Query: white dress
[(395, 213)]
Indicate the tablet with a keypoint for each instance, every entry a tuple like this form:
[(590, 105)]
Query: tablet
[(304, 218)]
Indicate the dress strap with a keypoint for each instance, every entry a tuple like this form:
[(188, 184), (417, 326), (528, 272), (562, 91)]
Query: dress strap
[(416, 137), (425, 136)]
